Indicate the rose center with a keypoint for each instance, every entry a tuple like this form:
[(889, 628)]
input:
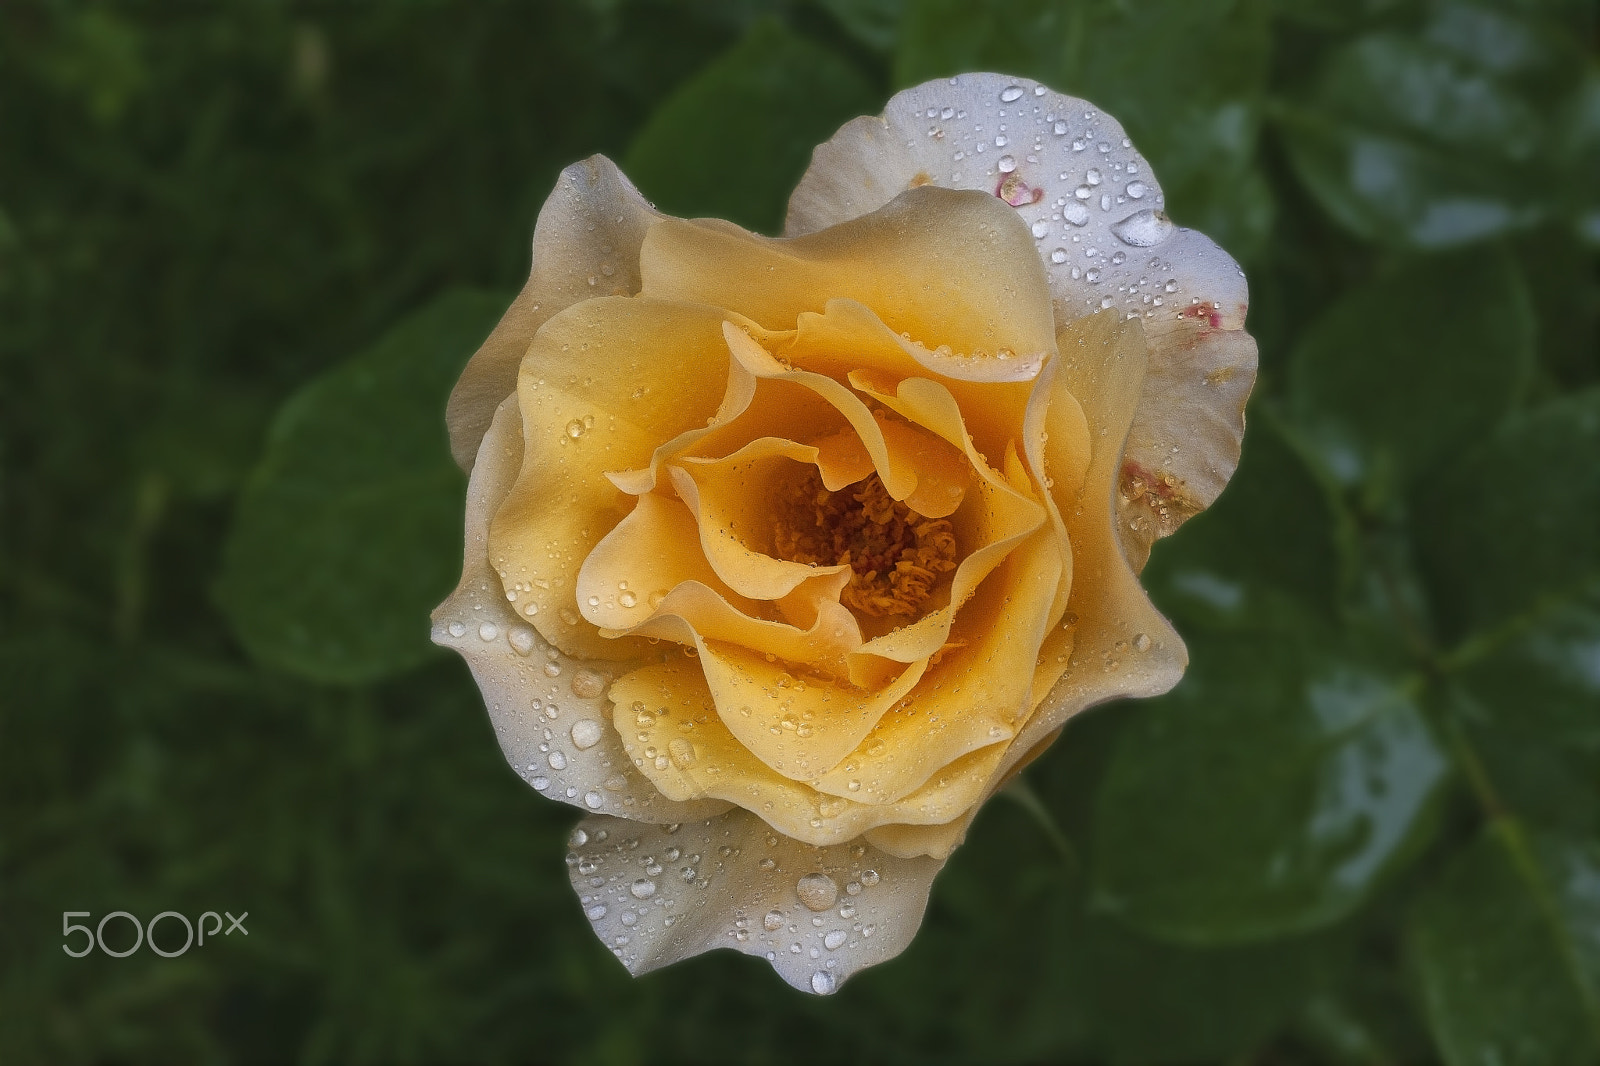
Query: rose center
[(895, 555)]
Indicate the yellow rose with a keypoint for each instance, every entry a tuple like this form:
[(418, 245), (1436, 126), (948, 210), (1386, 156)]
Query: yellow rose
[(783, 555)]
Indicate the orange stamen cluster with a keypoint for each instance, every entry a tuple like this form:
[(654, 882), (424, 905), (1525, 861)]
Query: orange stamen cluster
[(895, 555)]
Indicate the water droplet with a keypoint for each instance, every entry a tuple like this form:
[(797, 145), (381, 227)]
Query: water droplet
[(586, 733), (773, 921), (539, 783), (643, 888), (579, 837), (457, 629), (628, 599), (869, 877), (522, 640), (488, 631), (1093, 176), (681, 753), (592, 800), (1075, 214), (1041, 228), (822, 983), (835, 939), (1136, 190), (1010, 93), (586, 684), (557, 760), (817, 891), (1082, 192), (1007, 164), (1142, 642), (1143, 229), (1059, 129), (595, 913), (1058, 256), (1092, 275)]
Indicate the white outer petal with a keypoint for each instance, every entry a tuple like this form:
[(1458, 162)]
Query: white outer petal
[(511, 664), (955, 133), (585, 244), (730, 873)]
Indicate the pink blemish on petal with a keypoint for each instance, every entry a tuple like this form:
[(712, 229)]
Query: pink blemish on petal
[(1016, 192), (1206, 311)]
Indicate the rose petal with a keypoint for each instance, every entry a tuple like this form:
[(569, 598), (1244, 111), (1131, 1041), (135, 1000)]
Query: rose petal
[(550, 712), (585, 244), (750, 890), (978, 694), (1095, 210), (1116, 644), (925, 263), (603, 383), (670, 727), (1184, 443)]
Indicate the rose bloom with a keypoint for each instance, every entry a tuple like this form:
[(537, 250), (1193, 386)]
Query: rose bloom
[(783, 555)]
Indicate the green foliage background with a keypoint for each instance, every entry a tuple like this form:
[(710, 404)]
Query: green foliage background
[(245, 249)]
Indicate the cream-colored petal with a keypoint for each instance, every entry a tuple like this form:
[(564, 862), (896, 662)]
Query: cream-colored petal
[(1116, 643), (550, 711), (658, 894), (978, 694), (1186, 435), (798, 725), (602, 385), (585, 244), (1055, 412), (945, 267)]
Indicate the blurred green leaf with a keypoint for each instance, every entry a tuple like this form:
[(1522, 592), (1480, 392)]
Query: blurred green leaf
[(1268, 794), (1156, 1003), (349, 531), (733, 141), (875, 23), (1401, 373), (1530, 704), (1271, 791), (1434, 139), (1514, 525), (1267, 541), (1507, 946), (1184, 77)]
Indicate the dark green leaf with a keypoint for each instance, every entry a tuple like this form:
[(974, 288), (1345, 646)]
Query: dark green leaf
[(872, 22), (1184, 77), (1507, 946), (1433, 140), (1405, 370), (349, 531), (734, 140), (1515, 524), (1270, 537), (1268, 794)]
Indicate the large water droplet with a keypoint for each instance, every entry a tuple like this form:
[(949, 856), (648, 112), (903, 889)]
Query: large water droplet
[(773, 921), (835, 939), (643, 888), (1143, 229), (1075, 214), (817, 891), (1007, 164), (681, 752), (488, 631), (1010, 93), (595, 913), (558, 761), (822, 983), (586, 684), (586, 733)]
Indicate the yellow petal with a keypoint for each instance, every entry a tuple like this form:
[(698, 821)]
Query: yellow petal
[(585, 244), (977, 695), (555, 730), (603, 383), (925, 262)]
